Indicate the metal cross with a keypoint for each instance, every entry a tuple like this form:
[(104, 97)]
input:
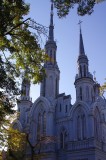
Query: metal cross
[(79, 23)]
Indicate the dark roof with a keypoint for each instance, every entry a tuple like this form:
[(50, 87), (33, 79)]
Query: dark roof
[(66, 97), (60, 95)]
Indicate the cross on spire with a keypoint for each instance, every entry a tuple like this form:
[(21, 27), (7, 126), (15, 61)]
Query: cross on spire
[(79, 23), (81, 45)]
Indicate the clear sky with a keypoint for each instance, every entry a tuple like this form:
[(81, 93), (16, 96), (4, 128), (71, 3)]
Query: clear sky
[(66, 33)]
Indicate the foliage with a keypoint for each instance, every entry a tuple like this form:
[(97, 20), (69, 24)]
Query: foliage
[(103, 88), (19, 51), (8, 90), (12, 140), (5, 130), (83, 6), (16, 37), (16, 144), (15, 140)]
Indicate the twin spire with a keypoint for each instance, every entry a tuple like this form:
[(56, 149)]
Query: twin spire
[(51, 32), (51, 27), (81, 45)]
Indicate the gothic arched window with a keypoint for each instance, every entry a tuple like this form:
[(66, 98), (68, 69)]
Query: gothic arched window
[(39, 126), (97, 129), (80, 70), (44, 123), (81, 126), (84, 71), (78, 128), (63, 136)]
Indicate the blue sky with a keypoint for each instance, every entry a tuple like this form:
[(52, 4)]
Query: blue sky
[(66, 33)]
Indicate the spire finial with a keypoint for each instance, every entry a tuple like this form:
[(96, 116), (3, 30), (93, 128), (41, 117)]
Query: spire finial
[(81, 45), (51, 27), (79, 23), (94, 73)]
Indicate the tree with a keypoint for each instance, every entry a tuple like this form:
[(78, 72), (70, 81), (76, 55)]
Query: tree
[(16, 37), (83, 6), (103, 88), (16, 145), (12, 141), (18, 142), (8, 91), (19, 49)]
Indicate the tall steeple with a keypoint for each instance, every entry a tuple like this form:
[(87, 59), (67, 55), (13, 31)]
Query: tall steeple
[(51, 27), (82, 58), (84, 82), (81, 45), (50, 46), (50, 84)]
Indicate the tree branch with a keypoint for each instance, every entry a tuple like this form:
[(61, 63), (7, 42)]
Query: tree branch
[(16, 27), (9, 62)]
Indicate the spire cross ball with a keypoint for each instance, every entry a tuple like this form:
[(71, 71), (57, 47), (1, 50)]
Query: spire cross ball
[(79, 23)]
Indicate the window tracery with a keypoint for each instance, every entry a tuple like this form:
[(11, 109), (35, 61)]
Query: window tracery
[(84, 71), (97, 127), (41, 125), (44, 123), (63, 136), (81, 126), (80, 70)]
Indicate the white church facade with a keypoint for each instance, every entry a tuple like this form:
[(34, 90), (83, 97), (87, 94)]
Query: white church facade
[(69, 132)]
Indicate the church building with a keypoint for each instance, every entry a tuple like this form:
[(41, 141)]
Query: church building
[(58, 129)]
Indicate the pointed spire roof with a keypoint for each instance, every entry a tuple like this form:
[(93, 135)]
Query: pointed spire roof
[(51, 26), (81, 45), (82, 57), (50, 46)]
